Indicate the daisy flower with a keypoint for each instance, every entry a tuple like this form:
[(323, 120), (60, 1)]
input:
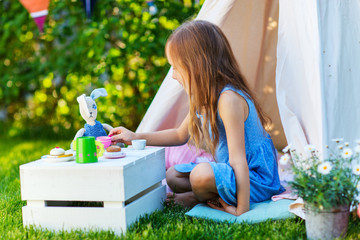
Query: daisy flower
[(284, 159), (357, 149), (310, 148), (356, 169), (347, 153), (337, 140), (358, 141), (324, 168), (287, 148), (346, 144)]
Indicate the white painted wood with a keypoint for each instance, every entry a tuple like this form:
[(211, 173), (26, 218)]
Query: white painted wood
[(72, 184), (146, 204), (114, 204), (97, 218), (142, 193), (68, 218), (36, 203), (127, 187), (101, 181), (138, 178)]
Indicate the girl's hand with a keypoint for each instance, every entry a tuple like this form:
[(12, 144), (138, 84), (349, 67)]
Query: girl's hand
[(121, 134), (224, 207)]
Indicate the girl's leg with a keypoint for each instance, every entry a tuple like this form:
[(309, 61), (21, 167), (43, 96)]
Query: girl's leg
[(191, 189), (177, 181), (186, 199), (202, 180)]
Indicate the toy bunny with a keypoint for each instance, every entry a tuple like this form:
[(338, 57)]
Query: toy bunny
[(88, 111)]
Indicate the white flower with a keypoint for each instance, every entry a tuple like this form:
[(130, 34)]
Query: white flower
[(310, 148), (284, 159), (340, 147), (347, 153), (337, 140), (357, 149), (287, 148), (346, 144), (358, 141), (356, 169), (324, 168)]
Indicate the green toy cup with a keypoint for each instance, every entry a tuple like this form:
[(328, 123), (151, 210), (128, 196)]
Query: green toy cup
[(87, 149)]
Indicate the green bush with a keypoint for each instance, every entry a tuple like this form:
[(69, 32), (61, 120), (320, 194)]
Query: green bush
[(121, 48)]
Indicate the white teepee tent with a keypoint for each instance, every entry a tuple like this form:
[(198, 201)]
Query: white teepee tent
[(314, 48), (318, 71)]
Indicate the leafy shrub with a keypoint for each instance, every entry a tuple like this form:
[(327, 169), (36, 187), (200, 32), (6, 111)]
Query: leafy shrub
[(121, 48)]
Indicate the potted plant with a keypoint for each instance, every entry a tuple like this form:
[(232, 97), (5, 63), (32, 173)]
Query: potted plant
[(329, 186)]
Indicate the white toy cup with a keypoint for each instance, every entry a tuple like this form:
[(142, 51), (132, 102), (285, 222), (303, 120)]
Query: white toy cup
[(139, 144)]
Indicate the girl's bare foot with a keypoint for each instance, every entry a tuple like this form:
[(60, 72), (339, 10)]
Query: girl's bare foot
[(186, 199)]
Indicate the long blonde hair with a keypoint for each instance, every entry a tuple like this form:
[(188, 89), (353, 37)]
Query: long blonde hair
[(201, 49)]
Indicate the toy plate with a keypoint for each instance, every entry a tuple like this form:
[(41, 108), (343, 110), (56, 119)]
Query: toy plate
[(47, 158), (113, 155)]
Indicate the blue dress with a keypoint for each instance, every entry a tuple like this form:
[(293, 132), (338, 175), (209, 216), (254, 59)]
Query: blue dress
[(260, 156)]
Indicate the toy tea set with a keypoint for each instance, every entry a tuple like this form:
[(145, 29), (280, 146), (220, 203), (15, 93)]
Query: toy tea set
[(91, 141)]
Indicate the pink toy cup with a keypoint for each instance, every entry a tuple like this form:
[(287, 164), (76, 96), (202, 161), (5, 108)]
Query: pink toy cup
[(104, 140)]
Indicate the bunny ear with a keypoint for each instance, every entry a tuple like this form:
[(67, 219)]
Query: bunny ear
[(82, 103), (100, 92)]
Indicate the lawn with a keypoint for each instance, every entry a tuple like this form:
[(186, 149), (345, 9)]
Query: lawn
[(171, 223)]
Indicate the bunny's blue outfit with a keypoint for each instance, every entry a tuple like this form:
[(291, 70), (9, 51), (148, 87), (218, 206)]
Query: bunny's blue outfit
[(260, 156), (97, 130)]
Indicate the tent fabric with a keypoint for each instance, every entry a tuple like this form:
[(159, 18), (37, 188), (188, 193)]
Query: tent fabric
[(298, 72), (339, 24), (317, 73), (168, 109), (253, 39)]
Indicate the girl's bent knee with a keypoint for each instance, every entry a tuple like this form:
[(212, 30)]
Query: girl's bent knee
[(170, 174), (201, 176)]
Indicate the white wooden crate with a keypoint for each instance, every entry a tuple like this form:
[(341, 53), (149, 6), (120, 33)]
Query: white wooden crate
[(122, 190)]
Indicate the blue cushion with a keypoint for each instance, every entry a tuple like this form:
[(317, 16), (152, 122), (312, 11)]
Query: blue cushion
[(259, 212)]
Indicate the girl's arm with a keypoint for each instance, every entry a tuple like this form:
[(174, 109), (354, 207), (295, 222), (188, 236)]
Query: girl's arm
[(233, 110), (169, 137)]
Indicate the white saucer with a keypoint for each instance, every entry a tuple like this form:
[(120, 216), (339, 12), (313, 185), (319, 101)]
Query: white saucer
[(46, 158), (114, 155)]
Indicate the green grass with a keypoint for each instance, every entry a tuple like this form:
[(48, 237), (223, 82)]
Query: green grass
[(171, 223)]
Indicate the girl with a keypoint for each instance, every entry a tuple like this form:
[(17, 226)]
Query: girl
[(224, 115)]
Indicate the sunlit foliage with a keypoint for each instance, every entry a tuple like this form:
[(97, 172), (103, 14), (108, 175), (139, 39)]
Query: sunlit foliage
[(121, 48)]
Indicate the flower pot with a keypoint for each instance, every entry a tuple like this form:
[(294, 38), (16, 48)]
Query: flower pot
[(327, 224)]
